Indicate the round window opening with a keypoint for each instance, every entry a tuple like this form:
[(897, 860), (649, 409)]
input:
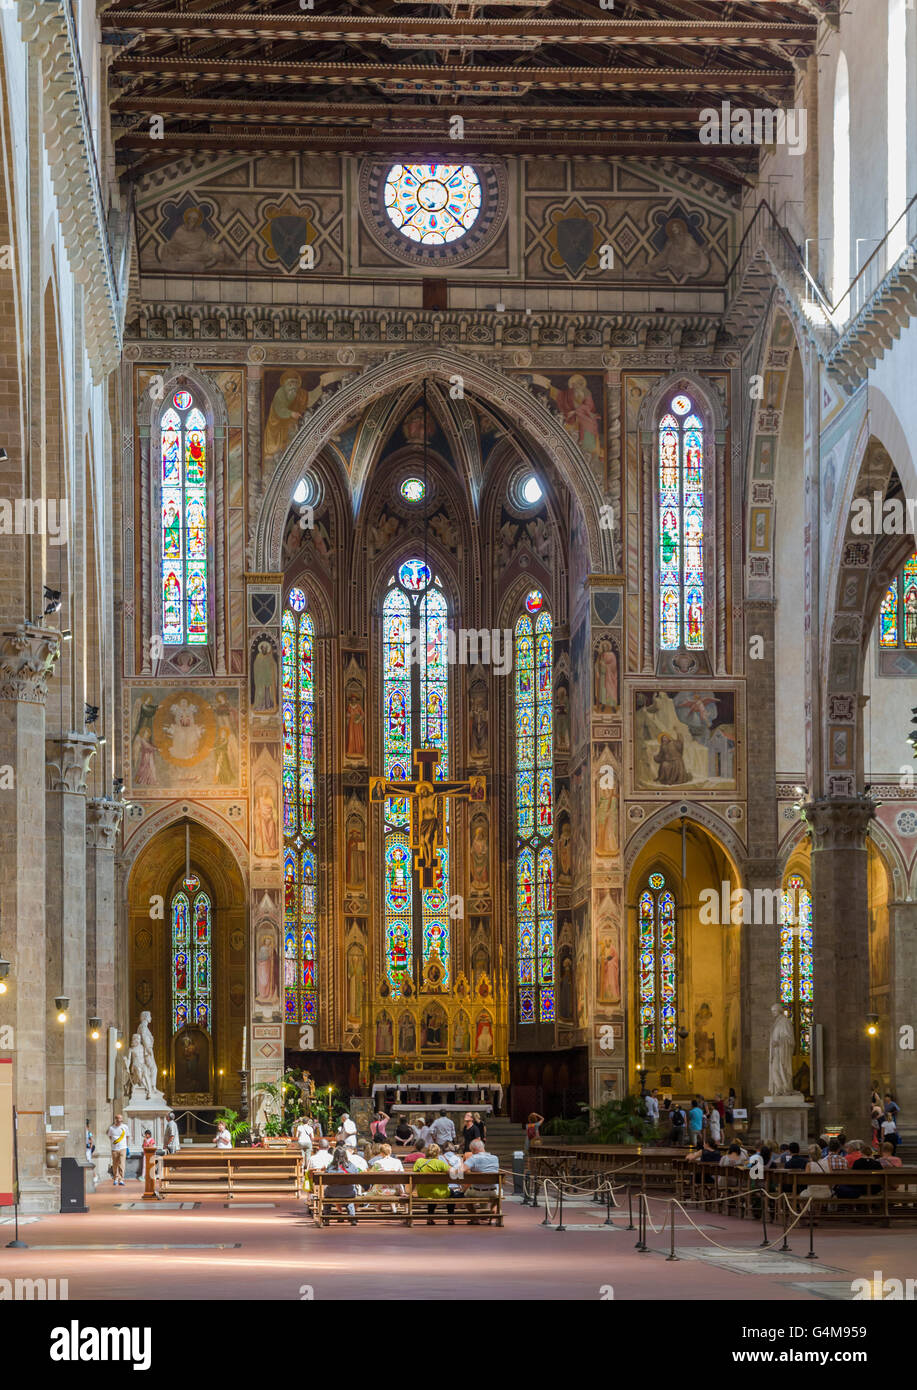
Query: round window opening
[(531, 490), (413, 490), (432, 203)]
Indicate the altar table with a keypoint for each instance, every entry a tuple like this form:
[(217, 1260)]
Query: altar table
[(419, 1089)]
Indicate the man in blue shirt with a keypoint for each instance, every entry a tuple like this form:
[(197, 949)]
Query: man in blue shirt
[(695, 1123)]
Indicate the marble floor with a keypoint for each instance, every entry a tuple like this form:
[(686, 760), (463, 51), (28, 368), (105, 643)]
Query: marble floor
[(127, 1249)]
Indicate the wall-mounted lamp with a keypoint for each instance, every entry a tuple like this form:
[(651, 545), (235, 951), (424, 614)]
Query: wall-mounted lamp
[(62, 1004), (872, 1025), (95, 1029)]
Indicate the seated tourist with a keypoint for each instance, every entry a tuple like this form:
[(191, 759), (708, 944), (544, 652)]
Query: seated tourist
[(386, 1162), (435, 1192), (341, 1163), (359, 1160), (795, 1159), (733, 1157), (479, 1161), (864, 1161), (321, 1158), (347, 1134), (222, 1139), (456, 1166), (835, 1157), (887, 1156), (710, 1152), (855, 1149), (816, 1163)]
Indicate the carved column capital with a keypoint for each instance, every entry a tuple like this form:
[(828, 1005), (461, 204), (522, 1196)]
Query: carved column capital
[(839, 822), (27, 657), (68, 762), (103, 822)]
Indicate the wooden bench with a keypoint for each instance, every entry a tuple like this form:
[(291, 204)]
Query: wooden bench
[(234, 1174), (895, 1198), (481, 1201)]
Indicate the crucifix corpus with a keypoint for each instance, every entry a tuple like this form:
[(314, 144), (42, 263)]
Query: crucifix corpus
[(427, 798)]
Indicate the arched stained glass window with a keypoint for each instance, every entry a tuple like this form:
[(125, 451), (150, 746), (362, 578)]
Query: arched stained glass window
[(681, 527), (183, 457), (534, 660), (299, 844), (898, 614), (658, 969), (415, 714), (191, 954), (797, 988)]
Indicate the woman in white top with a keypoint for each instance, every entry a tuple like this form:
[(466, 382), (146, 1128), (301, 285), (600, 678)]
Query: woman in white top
[(816, 1164), (387, 1163), (222, 1139), (714, 1127)]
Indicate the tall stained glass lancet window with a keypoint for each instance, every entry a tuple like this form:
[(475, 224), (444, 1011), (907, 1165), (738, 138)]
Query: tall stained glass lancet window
[(898, 613), (191, 954), (797, 988), (299, 844), (183, 456), (533, 678), (681, 527), (415, 714), (658, 969)]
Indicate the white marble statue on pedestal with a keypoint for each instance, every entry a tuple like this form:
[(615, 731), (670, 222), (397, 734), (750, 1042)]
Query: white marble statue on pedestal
[(784, 1113), (782, 1046), (146, 1108)]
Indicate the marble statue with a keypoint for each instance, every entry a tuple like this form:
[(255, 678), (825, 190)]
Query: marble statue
[(782, 1045), (140, 1063)]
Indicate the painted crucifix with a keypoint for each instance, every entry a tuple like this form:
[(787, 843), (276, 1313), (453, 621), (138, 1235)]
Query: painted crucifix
[(427, 798)]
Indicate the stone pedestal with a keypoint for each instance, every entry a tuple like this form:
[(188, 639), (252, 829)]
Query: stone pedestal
[(785, 1120), (141, 1115)]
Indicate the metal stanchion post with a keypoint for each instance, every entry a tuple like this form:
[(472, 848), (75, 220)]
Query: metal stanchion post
[(786, 1211), (764, 1214), (608, 1220), (811, 1255), (560, 1225), (671, 1255), (630, 1210), (545, 1222)]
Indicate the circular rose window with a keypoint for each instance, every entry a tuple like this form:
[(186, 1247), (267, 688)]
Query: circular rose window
[(433, 203), (433, 214)]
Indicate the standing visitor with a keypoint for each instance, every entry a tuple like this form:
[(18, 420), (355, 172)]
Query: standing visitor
[(679, 1120), (533, 1129), (304, 1134), (651, 1103), (377, 1126), (695, 1123), (117, 1133), (442, 1129), (714, 1125), (170, 1138), (482, 1127), (889, 1128), (469, 1131)]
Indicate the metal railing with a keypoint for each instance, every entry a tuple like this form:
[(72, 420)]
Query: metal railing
[(898, 245)]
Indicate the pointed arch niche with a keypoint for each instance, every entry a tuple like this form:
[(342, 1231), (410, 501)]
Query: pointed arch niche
[(680, 977), (156, 895)]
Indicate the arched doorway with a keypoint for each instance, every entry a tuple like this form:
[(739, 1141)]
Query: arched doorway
[(187, 962)]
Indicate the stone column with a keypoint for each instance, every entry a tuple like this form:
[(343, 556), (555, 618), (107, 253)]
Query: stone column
[(758, 973), (759, 954), (103, 824), (902, 935), (27, 657), (840, 910), (68, 764)]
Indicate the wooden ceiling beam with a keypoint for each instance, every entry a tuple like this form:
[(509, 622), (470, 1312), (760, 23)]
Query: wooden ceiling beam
[(176, 67), (310, 27), (300, 113), (434, 146)]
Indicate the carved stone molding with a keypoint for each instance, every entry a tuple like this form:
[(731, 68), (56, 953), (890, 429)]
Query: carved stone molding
[(103, 822), (27, 657), (840, 822), (68, 762)]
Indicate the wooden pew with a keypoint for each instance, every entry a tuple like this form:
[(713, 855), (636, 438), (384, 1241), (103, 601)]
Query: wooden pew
[(233, 1174), (484, 1206), (895, 1197)]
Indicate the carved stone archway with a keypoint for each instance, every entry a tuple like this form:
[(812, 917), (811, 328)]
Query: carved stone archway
[(543, 431)]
